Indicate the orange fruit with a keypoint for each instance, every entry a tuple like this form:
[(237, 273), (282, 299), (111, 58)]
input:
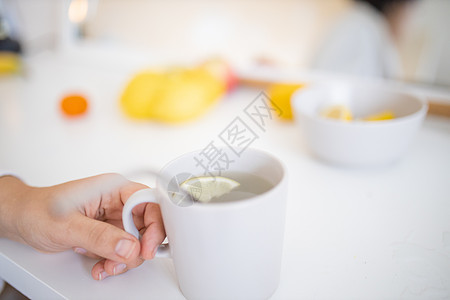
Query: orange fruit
[(74, 105)]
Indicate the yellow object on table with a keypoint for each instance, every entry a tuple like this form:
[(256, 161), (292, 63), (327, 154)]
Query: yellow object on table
[(385, 115), (171, 96), (337, 112), (280, 94), (9, 62), (343, 113)]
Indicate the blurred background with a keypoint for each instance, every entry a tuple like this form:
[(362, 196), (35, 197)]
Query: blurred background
[(78, 77), (288, 34)]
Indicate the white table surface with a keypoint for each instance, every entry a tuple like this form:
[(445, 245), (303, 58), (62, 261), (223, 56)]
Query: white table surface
[(363, 234)]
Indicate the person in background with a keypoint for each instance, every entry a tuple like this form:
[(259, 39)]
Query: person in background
[(362, 41), (84, 215)]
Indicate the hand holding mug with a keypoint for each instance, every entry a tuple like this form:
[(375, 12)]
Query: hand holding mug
[(93, 227)]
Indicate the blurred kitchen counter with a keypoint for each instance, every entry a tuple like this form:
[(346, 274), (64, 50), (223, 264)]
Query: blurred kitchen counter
[(367, 234)]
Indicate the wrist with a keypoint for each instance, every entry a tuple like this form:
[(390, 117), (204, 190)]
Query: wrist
[(12, 200)]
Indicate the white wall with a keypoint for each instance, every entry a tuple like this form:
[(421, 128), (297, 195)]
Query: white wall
[(285, 31)]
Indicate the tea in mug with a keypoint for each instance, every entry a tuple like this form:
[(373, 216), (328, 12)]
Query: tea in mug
[(230, 186)]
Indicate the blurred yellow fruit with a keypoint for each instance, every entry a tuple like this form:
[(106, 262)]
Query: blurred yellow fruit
[(9, 62), (280, 94), (222, 70), (385, 115), (140, 95), (187, 94), (338, 112), (173, 96)]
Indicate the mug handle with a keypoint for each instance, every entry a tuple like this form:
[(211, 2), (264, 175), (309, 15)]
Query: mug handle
[(141, 196)]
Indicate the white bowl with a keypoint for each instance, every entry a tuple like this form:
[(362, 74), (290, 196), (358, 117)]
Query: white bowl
[(358, 143)]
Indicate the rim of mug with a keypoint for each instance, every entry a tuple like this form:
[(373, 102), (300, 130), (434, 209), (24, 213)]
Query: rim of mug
[(228, 204)]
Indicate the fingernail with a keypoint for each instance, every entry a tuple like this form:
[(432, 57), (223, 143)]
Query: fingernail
[(102, 275), (80, 250), (119, 268), (124, 248)]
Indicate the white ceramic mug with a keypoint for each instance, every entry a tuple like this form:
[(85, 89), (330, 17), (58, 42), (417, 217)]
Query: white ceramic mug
[(223, 250)]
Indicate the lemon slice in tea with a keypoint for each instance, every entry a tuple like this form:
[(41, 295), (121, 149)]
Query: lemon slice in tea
[(205, 188)]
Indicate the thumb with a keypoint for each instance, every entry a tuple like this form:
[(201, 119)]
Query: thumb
[(104, 239)]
